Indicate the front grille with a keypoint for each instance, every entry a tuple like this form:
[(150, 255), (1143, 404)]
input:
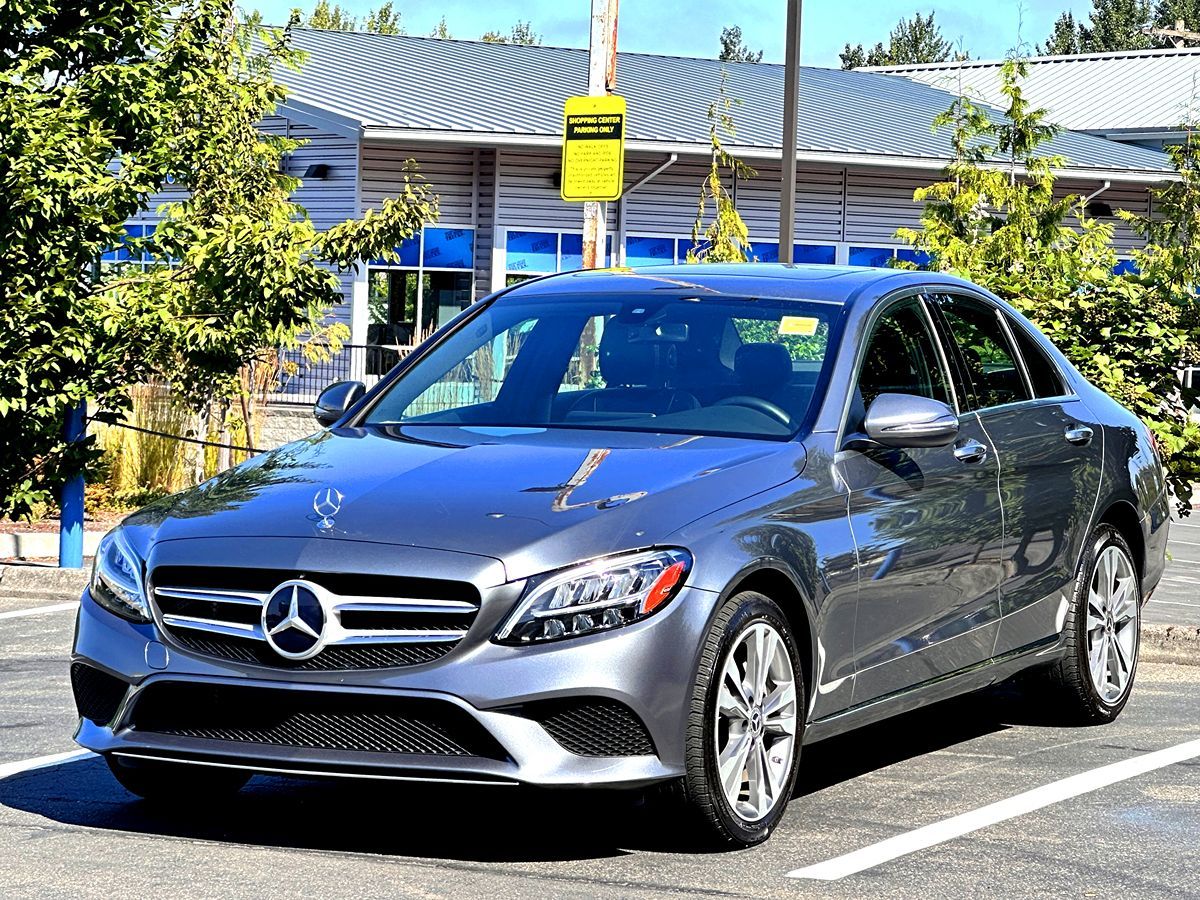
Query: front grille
[(593, 726), (97, 694), (312, 720), (362, 656), (372, 621)]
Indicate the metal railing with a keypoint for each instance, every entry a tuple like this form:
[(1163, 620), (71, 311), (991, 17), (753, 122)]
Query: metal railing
[(301, 380)]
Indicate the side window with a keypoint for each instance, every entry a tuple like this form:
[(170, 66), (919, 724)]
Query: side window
[(992, 376), (1044, 375), (900, 358)]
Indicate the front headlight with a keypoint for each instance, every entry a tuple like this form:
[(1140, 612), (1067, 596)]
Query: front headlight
[(117, 578), (597, 596)]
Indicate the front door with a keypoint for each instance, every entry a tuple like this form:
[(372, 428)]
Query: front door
[(926, 521), (1050, 449)]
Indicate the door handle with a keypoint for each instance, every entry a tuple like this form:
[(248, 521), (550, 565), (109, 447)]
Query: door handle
[(970, 451), (1078, 434)]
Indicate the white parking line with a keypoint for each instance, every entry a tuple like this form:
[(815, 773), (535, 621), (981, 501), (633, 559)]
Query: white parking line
[(35, 610), (1185, 543), (41, 762), (957, 826)]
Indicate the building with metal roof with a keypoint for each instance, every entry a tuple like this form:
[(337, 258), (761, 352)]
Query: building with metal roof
[(483, 123), (1137, 96)]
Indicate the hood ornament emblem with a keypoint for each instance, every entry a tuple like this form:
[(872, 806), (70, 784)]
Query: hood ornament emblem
[(327, 503)]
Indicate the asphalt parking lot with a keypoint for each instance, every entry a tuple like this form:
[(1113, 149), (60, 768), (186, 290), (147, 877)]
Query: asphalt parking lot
[(969, 797), (1177, 599)]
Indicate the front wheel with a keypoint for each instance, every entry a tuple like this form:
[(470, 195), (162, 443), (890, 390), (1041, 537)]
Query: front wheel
[(1102, 633), (745, 723)]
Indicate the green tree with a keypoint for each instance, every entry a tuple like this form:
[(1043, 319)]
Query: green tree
[(912, 41), (734, 49), (385, 20), (1128, 334), (521, 33), (95, 112), (724, 237), (1064, 39), (328, 18), (440, 30), (1116, 25), (1169, 12)]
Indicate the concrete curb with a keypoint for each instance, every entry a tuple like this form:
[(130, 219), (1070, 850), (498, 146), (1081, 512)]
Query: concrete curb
[(1178, 644), (41, 583), (41, 544)]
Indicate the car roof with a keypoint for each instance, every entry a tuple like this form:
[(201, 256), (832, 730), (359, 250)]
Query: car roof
[(839, 284)]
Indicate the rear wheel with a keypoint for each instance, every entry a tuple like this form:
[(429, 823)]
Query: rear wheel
[(166, 781), (1093, 680), (745, 723)]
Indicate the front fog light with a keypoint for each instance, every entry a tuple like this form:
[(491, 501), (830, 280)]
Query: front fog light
[(117, 578), (598, 596)]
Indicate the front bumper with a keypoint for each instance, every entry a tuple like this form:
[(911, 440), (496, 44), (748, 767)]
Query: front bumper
[(649, 667)]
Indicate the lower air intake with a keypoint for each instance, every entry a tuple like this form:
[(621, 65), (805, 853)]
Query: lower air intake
[(97, 694), (313, 720), (593, 726)]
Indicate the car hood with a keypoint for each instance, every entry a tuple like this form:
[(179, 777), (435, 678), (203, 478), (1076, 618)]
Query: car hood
[(535, 499)]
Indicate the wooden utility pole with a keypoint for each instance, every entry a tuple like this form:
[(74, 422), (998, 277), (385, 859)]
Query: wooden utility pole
[(791, 102), (1179, 35), (602, 79)]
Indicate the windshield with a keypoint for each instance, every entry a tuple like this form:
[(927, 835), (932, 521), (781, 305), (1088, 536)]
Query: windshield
[(687, 365)]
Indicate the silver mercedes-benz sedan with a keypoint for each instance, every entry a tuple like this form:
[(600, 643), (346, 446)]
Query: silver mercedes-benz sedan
[(655, 529)]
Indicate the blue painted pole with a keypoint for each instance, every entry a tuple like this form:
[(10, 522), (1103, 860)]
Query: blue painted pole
[(70, 537)]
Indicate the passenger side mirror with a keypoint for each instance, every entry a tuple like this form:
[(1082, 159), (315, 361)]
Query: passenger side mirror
[(335, 400), (906, 420)]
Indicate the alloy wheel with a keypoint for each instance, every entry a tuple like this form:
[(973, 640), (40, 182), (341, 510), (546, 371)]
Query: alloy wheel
[(756, 722), (1112, 624)]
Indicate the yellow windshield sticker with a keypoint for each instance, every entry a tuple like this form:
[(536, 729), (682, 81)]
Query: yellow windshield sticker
[(803, 325)]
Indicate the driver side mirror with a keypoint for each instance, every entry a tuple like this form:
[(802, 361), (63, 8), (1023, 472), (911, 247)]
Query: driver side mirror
[(906, 420), (335, 400)]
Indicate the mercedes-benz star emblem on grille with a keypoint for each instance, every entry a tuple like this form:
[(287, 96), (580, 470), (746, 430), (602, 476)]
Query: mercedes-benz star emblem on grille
[(326, 504), (293, 620)]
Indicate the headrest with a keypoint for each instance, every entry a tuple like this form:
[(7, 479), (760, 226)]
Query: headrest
[(763, 368), (631, 363)]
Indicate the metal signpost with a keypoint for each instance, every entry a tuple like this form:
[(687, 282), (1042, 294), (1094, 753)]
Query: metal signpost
[(791, 101)]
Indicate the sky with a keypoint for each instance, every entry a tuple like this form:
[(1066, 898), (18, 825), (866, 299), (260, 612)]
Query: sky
[(987, 29)]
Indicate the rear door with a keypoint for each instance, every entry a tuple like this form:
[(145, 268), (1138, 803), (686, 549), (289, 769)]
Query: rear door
[(926, 522), (1049, 447)]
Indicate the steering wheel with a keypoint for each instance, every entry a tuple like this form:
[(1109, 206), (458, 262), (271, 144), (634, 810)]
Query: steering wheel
[(766, 407)]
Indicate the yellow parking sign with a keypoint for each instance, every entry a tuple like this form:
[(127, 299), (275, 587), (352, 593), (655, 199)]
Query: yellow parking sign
[(593, 155)]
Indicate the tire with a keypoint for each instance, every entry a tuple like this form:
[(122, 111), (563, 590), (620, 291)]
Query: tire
[(702, 793), (1073, 693), (163, 782)]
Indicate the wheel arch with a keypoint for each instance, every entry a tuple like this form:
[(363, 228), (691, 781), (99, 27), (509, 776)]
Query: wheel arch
[(1122, 515), (773, 579)]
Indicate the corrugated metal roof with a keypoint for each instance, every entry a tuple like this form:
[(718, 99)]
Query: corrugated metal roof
[(1140, 90), (429, 86)]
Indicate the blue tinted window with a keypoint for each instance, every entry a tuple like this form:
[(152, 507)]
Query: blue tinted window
[(763, 252), (449, 248), (649, 251), (1126, 267), (532, 251), (879, 257), (822, 254), (920, 257), (572, 252), (410, 254)]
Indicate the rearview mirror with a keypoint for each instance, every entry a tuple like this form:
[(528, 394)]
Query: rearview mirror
[(906, 420), (335, 400)]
